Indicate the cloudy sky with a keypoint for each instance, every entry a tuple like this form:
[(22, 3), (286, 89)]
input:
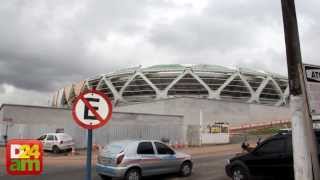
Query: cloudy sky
[(45, 44)]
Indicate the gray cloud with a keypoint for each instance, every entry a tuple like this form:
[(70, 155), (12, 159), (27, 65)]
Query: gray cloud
[(13, 95), (202, 33), (223, 26), (2, 90), (48, 44)]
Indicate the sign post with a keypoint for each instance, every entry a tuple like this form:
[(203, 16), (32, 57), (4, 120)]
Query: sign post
[(91, 110), (89, 155)]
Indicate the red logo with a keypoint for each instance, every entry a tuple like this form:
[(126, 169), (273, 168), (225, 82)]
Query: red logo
[(24, 157)]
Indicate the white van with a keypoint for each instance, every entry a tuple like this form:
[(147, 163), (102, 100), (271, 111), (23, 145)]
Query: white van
[(56, 142)]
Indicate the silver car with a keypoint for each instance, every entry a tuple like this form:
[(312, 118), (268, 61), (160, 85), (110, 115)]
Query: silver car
[(132, 159)]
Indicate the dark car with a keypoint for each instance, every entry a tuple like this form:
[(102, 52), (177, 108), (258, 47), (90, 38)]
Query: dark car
[(271, 158)]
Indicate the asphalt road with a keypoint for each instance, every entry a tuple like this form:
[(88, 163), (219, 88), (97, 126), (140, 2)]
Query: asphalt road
[(206, 167)]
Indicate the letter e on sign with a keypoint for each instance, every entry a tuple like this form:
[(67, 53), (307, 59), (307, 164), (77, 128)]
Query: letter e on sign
[(92, 109)]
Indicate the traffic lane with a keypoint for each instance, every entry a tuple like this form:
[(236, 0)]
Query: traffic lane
[(51, 168), (206, 167)]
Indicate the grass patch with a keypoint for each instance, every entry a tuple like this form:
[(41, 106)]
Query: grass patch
[(264, 131)]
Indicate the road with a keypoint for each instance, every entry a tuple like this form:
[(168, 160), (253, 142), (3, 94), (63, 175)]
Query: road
[(206, 167)]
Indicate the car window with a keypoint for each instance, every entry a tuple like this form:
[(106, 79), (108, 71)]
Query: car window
[(318, 144), (55, 138), (115, 147), (318, 140), (145, 148), (42, 137), (50, 138), (273, 146), (289, 145), (163, 149)]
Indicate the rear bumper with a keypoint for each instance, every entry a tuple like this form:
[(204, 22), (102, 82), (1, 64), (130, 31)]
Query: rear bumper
[(111, 171)]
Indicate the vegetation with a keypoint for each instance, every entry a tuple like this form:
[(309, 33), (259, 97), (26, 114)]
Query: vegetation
[(264, 131)]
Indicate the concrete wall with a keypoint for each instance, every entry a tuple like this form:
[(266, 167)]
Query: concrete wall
[(170, 118), (212, 110), (31, 122), (215, 138)]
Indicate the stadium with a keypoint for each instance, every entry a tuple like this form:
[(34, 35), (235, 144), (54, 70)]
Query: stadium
[(188, 104), (203, 94), (136, 85)]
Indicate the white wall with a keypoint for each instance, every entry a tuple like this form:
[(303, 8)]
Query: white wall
[(31, 122), (212, 110), (215, 138)]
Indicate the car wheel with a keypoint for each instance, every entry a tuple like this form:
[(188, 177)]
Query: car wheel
[(104, 177), (133, 174), (240, 173), (55, 149), (186, 169)]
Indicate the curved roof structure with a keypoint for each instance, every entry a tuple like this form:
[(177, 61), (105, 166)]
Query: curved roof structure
[(140, 84)]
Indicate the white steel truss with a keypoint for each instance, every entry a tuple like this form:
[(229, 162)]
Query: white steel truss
[(60, 97)]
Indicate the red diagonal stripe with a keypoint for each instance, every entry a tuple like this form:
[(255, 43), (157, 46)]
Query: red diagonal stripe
[(94, 112)]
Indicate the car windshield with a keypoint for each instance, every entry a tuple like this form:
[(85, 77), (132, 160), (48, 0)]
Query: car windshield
[(42, 137)]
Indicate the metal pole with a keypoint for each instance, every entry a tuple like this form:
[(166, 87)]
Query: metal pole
[(201, 124), (89, 155), (6, 134), (306, 165)]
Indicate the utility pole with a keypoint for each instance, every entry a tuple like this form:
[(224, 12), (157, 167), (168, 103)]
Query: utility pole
[(305, 156)]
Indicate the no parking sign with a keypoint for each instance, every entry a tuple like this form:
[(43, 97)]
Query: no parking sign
[(91, 110)]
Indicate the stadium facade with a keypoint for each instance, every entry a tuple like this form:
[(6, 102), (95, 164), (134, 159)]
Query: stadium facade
[(212, 82)]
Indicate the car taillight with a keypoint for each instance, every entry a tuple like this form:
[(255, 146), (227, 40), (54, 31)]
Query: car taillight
[(120, 158), (61, 142)]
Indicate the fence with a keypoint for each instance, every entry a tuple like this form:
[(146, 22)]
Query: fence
[(119, 130), (139, 130)]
